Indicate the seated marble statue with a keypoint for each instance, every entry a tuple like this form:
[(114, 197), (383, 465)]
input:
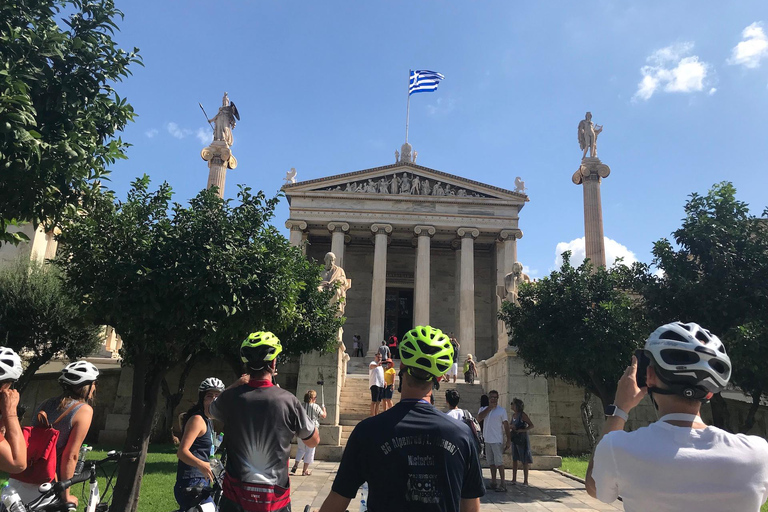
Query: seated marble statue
[(330, 276)]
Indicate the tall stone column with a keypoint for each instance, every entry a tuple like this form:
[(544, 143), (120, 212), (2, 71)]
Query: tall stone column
[(421, 294), (379, 286), (506, 255), (467, 290), (338, 230), (297, 227), (590, 175), (219, 157)]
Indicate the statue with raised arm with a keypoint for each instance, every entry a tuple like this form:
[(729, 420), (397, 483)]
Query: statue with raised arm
[(224, 121), (587, 134), (332, 275)]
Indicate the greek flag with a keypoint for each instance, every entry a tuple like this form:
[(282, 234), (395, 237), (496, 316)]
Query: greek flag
[(424, 81)]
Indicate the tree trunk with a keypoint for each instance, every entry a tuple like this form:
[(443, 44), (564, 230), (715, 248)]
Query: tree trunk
[(587, 417), (34, 364), (172, 400), (146, 384), (236, 364), (750, 420), (720, 415)]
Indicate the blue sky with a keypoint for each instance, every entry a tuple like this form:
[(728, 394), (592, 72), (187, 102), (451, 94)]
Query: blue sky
[(681, 88)]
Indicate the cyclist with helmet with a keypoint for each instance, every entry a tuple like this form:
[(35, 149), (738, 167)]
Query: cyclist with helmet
[(13, 448), (414, 457), (678, 462), (71, 414), (260, 421), (196, 445)]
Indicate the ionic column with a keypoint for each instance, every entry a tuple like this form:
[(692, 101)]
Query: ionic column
[(467, 290), (379, 286), (337, 230), (421, 292), (506, 255), (297, 228)]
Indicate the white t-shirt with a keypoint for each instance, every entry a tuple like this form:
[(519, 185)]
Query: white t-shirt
[(665, 468), (493, 426), (375, 375), (456, 414)]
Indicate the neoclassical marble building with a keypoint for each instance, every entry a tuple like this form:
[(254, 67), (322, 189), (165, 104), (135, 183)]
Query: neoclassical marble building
[(420, 246)]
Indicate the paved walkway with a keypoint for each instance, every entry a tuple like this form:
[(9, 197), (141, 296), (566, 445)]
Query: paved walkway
[(549, 491)]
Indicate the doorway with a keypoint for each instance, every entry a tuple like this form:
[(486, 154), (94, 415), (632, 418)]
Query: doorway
[(398, 312)]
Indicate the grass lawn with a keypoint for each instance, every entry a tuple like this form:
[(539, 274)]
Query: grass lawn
[(577, 466)]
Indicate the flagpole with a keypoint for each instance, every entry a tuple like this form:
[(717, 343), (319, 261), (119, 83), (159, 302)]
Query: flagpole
[(408, 107)]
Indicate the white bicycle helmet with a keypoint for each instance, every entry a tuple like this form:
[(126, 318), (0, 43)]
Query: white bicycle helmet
[(211, 383), (78, 373), (10, 364), (689, 359)]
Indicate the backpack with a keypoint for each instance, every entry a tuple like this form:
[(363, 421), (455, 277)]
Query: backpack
[(474, 426), (41, 449)]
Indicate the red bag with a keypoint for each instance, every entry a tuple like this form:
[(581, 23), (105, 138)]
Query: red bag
[(41, 441)]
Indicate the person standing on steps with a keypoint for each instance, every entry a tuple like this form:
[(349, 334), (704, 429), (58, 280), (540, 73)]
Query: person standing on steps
[(496, 434), (389, 384), (414, 457), (376, 383), (384, 351)]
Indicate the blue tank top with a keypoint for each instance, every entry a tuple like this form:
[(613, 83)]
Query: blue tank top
[(202, 448)]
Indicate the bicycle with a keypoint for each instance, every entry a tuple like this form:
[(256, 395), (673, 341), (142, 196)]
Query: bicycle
[(50, 493), (200, 493)]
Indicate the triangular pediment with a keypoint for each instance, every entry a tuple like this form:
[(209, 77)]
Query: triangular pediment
[(403, 179)]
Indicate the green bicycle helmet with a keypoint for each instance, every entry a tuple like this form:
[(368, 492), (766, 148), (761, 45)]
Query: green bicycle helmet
[(259, 348), (427, 348)]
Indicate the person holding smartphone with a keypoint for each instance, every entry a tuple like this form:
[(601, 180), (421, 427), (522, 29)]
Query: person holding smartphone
[(678, 462)]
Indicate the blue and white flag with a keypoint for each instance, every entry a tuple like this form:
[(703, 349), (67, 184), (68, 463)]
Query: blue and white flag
[(424, 81)]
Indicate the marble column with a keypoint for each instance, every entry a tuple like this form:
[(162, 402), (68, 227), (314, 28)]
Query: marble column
[(589, 176), (381, 234), (297, 228), (421, 285), (506, 255), (338, 230), (219, 157), (467, 290)]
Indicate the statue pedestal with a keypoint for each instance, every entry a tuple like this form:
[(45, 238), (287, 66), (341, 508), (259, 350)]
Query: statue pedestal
[(219, 158)]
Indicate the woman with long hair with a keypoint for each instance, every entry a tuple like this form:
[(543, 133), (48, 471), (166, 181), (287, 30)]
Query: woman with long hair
[(520, 424), (196, 445), (314, 413), (71, 414)]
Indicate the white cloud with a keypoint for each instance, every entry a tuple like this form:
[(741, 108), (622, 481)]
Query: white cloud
[(752, 49), (177, 131), (204, 135), (151, 133), (613, 250), (673, 70), (712, 91), (532, 272)]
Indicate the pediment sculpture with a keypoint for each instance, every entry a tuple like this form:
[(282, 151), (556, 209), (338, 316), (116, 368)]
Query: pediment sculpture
[(404, 184)]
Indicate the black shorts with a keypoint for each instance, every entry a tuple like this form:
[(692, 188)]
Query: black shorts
[(388, 393), (376, 393)]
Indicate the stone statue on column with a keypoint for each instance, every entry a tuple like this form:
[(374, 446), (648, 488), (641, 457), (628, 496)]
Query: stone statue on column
[(218, 154), (332, 275), (587, 134), (513, 280)]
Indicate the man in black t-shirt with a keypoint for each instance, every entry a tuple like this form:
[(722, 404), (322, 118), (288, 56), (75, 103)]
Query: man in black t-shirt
[(414, 457)]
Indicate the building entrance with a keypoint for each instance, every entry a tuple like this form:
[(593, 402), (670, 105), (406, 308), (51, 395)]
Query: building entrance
[(398, 313)]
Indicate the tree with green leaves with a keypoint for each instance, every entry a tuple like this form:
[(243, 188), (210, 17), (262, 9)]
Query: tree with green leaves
[(716, 275), (175, 280), (577, 325), (40, 319), (59, 112)]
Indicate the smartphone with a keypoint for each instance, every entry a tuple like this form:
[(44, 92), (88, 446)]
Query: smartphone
[(642, 366)]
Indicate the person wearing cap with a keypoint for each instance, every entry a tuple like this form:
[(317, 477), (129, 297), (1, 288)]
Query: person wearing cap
[(71, 414), (389, 384), (260, 420), (414, 457), (13, 448), (196, 446), (678, 462)]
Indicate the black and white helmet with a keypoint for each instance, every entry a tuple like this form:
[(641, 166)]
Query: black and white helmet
[(689, 359), (79, 373), (10, 364), (211, 383)]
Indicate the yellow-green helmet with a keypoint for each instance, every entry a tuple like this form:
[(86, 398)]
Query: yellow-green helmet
[(427, 348), (260, 347)]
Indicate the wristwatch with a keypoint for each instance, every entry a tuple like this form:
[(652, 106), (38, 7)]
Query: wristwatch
[(612, 410)]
